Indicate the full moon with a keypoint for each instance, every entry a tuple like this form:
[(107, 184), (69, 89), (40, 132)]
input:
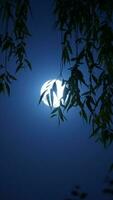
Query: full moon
[(48, 88)]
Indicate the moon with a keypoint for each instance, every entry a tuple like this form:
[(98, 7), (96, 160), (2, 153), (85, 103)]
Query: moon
[(47, 88)]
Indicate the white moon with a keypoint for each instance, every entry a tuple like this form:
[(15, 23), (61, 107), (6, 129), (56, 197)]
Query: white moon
[(57, 96)]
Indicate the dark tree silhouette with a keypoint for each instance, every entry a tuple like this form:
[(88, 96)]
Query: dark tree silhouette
[(87, 49), (13, 40), (77, 194), (107, 191)]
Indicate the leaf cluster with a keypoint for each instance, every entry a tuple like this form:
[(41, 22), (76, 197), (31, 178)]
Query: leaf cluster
[(49, 94), (108, 190), (13, 40), (76, 194), (87, 46)]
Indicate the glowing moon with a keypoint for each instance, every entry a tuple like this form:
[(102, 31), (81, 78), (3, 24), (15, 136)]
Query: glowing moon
[(57, 96)]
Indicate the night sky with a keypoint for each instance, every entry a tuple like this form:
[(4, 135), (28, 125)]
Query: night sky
[(40, 160)]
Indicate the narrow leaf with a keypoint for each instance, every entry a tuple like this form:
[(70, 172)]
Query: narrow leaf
[(42, 95)]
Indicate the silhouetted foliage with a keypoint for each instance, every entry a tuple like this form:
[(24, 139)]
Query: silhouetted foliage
[(13, 35), (108, 190), (87, 48), (77, 194)]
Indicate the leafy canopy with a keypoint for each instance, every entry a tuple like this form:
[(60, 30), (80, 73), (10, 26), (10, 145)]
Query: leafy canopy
[(87, 48), (13, 36)]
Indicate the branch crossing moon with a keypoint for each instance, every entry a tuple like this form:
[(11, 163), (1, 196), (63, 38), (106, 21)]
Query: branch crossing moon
[(52, 92)]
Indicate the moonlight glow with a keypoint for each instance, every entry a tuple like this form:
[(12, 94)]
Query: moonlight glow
[(57, 95)]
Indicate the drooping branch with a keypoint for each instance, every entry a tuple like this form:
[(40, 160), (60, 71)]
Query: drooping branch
[(13, 40), (92, 20)]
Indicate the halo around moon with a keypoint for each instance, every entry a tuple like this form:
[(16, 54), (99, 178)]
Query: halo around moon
[(57, 94)]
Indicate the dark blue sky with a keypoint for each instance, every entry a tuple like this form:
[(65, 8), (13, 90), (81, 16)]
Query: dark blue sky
[(40, 160)]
